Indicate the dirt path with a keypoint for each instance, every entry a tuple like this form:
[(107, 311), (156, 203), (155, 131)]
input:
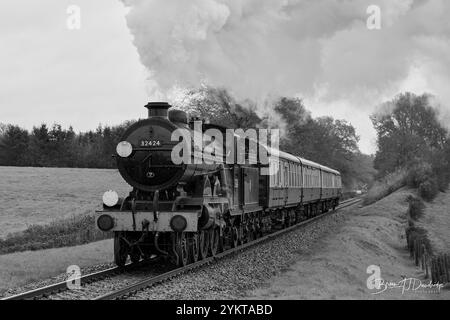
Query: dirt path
[(336, 266)]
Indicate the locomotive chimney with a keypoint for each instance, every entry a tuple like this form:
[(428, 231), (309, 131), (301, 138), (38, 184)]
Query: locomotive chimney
[(158, 109)]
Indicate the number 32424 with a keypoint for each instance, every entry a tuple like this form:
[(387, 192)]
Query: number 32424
[(150, 143)]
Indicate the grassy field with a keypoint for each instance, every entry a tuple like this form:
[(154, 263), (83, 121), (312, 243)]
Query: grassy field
[(21, 268), (39, 196)]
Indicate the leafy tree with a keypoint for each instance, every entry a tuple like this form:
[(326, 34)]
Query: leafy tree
[(40, 147), (13, 146), (408, 132), (219, 107)]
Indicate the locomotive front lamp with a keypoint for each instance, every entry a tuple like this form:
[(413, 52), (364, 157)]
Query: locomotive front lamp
[(110, 198), (124, 149)]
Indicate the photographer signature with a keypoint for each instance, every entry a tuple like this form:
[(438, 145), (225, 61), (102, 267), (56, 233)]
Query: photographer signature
[(376, 282), (408, 284)]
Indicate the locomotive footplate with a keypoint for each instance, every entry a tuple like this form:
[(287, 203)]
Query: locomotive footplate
[(186, 221)]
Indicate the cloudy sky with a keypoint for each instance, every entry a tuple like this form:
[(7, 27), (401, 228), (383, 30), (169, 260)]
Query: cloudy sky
[(319, 50), (84, 77)]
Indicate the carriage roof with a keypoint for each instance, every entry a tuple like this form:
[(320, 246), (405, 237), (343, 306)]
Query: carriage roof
[(289, 157)]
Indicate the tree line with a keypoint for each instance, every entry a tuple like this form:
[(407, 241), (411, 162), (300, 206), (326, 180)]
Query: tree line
[(330, 142), (57, 147)]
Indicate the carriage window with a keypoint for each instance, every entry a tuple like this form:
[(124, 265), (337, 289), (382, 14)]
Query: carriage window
[(280, 173), (300, 180), (294, 168), (286, 175), (306, 177), (290, 176), (294, 180), (295, 176), (309, 178)]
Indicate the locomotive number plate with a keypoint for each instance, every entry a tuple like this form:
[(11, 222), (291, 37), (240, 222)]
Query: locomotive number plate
[(150, 143)]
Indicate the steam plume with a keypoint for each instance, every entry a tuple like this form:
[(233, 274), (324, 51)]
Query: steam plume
[(321, 50)]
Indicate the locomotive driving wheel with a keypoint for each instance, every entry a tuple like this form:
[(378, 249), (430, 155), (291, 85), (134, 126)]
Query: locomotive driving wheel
[(182, 249), (121, 249), (258, 228), (135, 254), (214, 236), (203, 244), (234, 237), (250, 234)]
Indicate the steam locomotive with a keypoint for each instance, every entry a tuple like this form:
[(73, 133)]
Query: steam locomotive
[(189, 211)]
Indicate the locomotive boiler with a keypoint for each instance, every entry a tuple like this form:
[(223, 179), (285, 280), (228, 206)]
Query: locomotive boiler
[(194, 209)]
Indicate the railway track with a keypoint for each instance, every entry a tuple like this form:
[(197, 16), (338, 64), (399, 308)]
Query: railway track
[(62, 286)]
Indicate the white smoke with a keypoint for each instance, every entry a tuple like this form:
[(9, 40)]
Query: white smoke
[(321, 50)]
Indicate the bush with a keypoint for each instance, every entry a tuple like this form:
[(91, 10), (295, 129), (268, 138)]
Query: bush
[(72, 231), (416, 208), (443, 179), (429, 189), (429, 181), (384, 187), (418, 174)]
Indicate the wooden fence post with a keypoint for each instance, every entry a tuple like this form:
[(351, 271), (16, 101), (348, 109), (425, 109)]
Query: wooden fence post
[(416, 262), (433, 270), (440, 273), (407, 238), (422, 253), (410, 246), (443, 270), (447, 267)]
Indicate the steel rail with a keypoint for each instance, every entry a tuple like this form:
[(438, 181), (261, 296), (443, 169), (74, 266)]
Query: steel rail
[(143, 284), (64, 285)]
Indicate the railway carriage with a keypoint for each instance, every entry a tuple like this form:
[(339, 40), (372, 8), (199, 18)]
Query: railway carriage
[(186, 212)]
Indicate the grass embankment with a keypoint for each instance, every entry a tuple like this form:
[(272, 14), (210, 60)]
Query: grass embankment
[(427, 236), (423, 216), (420, 176), (72, 231), (336, 266)]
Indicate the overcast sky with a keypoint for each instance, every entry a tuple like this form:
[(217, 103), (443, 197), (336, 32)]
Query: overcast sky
[(320, 50), (50, 74)]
